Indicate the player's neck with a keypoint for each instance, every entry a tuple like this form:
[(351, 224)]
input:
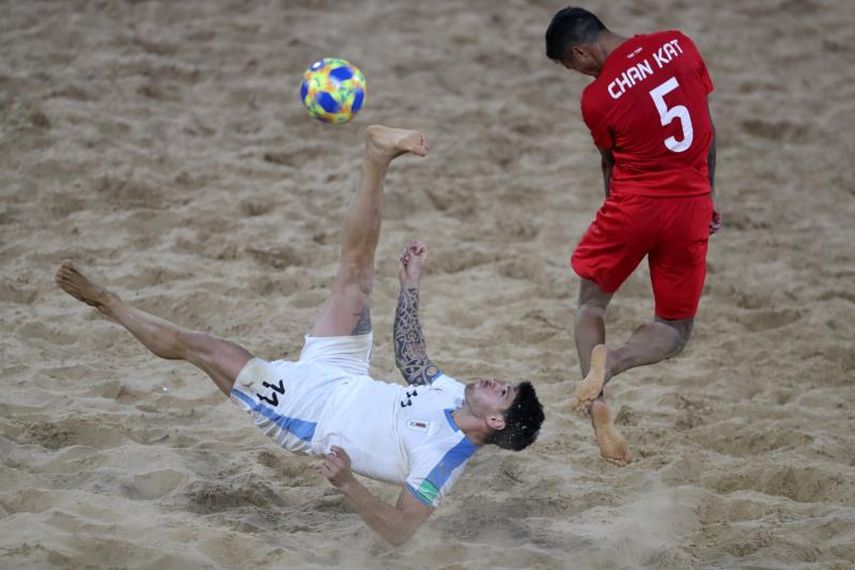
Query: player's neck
[(470, 425), (609, 42)]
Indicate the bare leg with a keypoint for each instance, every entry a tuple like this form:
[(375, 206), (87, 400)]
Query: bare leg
[(591, 387), (347, 309), (221, 360), (589, 328), (649, 343), (590, 336), (589, 332), (611, 443)]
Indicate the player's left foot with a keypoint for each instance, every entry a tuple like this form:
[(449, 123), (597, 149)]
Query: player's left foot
[(388, 143), (591, 387), (70, 280), (610, 441)]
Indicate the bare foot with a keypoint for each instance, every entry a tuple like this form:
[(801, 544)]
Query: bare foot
[(591, 387), (75, 284), (612, 444), (385, 142)]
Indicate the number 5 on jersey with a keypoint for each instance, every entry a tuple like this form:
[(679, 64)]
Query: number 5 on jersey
[(666, 116)]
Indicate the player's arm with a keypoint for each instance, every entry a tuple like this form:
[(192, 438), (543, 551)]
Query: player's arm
[(410, 347), (396, 524), (607, 161), (715, 223)]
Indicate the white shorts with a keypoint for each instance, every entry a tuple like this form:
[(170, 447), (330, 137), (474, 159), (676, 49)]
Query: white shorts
[(288, 400)]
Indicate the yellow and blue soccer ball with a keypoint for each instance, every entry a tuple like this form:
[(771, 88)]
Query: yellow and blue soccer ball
[(333, 90)]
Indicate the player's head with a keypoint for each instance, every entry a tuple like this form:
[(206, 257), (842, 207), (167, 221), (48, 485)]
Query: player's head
[(512, 411), (571, 40)]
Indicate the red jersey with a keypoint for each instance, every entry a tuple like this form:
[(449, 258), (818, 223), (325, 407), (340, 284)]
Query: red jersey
[(649, 107)]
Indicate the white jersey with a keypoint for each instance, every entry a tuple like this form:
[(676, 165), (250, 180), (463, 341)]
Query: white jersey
[(399, 434)]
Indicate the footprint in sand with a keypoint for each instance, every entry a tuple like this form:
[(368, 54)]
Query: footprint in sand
[(153, 485)]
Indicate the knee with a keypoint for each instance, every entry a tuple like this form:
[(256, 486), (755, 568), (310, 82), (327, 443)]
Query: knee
[(590, 309), (592, 300), (358, 275), (683, 330)]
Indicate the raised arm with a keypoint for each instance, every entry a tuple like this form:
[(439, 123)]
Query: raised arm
[(410, 349), (396, 524)]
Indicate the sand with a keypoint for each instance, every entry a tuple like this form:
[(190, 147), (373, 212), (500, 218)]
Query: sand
[(161, 146)]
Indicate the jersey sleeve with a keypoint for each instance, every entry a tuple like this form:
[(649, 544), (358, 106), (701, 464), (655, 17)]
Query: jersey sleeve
[(446, 382), (433, 470), (700, 65), (596, 121)]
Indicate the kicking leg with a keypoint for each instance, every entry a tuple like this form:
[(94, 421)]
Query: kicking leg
[(347, 309), (221, 360)]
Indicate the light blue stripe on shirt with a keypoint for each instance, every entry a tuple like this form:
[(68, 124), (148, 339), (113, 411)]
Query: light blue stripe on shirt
[(440, 474), (300, 428)]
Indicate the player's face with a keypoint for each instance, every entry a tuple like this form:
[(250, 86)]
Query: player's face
[(487, 396)]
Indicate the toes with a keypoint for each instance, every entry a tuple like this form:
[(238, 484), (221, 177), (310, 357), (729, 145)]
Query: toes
[(619, 460), (581, 407)]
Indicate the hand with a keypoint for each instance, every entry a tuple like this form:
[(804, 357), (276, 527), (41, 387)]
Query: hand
[(413, 259), (715, 221), (336, 467)]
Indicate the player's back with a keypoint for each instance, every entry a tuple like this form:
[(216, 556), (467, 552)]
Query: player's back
[(648, 107)]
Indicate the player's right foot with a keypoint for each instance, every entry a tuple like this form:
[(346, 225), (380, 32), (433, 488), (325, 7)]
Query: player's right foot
[(610, 441), (385, 142), (75, 284), (591, 387)]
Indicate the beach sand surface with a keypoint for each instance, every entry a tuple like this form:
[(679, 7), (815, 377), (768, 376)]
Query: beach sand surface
[(161, 146)]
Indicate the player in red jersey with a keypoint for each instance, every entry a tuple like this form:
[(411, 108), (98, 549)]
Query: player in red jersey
[(648, 114)]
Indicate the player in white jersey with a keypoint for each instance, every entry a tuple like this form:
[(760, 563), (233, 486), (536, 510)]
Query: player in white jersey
[(419, 436)]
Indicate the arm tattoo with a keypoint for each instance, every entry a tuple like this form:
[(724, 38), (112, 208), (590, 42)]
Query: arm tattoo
[(410, 350)]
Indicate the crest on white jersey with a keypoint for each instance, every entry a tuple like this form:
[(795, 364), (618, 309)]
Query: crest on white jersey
[(419, 425)]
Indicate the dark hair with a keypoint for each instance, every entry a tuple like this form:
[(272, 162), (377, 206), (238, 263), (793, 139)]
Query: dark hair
[(571, 26), (522, 420)]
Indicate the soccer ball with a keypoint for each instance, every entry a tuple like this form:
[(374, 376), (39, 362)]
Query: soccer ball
[(333, 90)]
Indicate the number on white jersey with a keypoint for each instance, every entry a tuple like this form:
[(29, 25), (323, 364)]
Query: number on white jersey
[(666, 115)]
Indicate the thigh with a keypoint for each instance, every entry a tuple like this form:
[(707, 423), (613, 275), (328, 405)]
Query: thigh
[(347, 309), (678, 262), (614, 244)]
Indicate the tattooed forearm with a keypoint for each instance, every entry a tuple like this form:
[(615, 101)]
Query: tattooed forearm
[(410, 349)]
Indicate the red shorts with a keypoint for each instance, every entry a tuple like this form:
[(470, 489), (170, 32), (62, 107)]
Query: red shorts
[(672, 232)]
